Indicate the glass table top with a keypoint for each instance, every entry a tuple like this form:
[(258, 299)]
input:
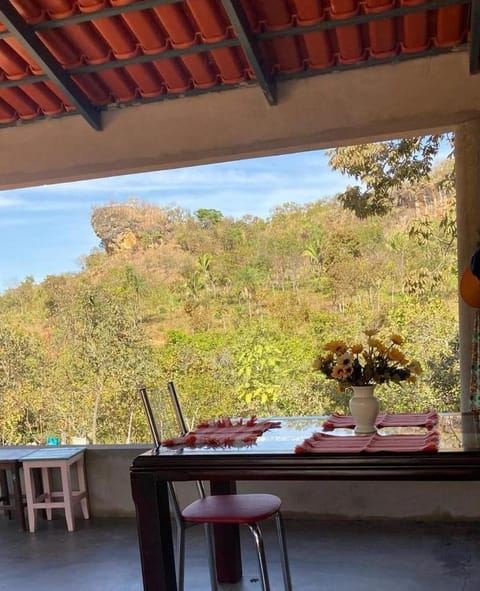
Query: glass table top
[(458, 432)]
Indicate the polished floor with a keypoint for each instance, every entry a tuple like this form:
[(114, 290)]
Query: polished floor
[(325, 556)]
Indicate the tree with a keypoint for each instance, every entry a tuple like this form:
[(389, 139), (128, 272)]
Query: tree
[(208, 217), (21, 367), (104, 352), (383, 168)]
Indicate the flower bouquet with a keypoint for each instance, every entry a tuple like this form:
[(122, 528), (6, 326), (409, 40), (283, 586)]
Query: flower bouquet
[(376, 362), (360, 367)]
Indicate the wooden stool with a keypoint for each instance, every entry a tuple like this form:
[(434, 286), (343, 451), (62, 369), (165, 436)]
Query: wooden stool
[(12, 501), (46, 459)]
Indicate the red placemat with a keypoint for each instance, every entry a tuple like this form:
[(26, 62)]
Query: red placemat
[(223, 433), (427, 419), (320, 443)]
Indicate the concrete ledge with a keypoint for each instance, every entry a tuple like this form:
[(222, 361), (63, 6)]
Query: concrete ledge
[(109, 488)]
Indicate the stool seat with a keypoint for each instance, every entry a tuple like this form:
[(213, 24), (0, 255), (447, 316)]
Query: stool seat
[(46, 460), (246, 508)]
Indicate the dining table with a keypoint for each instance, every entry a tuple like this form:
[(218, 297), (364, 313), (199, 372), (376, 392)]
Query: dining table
[(273, 456)]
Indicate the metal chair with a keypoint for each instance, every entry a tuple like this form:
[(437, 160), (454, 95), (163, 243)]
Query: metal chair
[(233, 509)]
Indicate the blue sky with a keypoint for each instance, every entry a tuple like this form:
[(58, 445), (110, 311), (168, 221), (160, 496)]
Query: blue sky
[(46, 230)]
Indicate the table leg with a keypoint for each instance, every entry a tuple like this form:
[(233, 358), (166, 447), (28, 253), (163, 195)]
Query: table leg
[(36, 475), (228, 554), (4, 493), (154, 532), (31, 495), (17, 493)]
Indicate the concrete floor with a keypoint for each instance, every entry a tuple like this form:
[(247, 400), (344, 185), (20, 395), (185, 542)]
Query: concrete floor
[(325, 556)]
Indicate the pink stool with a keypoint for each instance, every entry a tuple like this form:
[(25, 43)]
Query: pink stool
[(62, 458)]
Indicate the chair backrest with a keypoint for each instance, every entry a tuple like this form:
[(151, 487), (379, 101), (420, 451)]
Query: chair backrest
[(155, 430), (182, 423), (152, 423)]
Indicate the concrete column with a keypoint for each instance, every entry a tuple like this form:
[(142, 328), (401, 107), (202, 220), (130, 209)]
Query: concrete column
[(467, 164)]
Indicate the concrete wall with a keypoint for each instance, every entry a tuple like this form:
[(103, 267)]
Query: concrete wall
[(109, 487)]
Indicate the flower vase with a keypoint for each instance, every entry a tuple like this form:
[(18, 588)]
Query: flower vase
[(364, 408)]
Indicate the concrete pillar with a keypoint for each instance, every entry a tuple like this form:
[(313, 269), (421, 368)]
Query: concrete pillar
[(467, 165)]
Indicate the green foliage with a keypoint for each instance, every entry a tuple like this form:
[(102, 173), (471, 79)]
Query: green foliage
[(382, 169), (233, 311), (259, 368), (21, 364), (208, 217)]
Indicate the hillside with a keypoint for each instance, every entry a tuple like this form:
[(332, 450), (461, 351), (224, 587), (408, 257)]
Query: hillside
[(234, 311)]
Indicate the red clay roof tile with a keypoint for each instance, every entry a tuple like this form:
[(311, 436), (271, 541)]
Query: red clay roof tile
[(308, 12), (451, 26), (415, 29), (7, 113), (91, 48), (49, 103)]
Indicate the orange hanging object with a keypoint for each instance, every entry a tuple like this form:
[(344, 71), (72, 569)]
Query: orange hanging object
[(470, 288)]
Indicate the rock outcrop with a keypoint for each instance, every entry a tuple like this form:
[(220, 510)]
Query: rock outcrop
[(131, 226)]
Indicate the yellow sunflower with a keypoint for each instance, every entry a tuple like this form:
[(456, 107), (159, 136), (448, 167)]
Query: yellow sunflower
[(337, 347), (394, 354), (397, 339)]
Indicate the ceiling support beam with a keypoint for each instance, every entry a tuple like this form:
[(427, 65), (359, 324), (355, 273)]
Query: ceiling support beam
[(104, 13), (239, 20), (360, 19), (475, 37), (432, 52), (192, 92), (151, 57), (25, 35), (85, 17), (121, 63), (402, 57)]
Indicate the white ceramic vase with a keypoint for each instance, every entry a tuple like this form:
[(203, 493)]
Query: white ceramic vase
[(364, 408)]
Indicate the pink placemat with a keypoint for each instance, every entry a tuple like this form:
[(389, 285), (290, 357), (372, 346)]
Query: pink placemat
[(428, 420), (322, 443), (223, 433)]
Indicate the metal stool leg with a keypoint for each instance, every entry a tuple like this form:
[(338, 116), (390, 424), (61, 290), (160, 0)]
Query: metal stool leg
[(211, 556), (180, 551), (287, 581), (262, 562), (180, 555)]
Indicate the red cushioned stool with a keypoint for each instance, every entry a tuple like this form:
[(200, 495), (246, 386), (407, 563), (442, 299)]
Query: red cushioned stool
[(231, 509)]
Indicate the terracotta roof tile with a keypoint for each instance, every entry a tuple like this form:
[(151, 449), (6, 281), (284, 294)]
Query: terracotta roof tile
[(118, 57)]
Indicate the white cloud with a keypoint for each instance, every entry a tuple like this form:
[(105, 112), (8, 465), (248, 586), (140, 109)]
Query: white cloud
[(236, 188), (7, 201)]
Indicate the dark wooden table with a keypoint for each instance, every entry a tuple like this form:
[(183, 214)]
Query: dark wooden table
[(273, 458), (12, 501)]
